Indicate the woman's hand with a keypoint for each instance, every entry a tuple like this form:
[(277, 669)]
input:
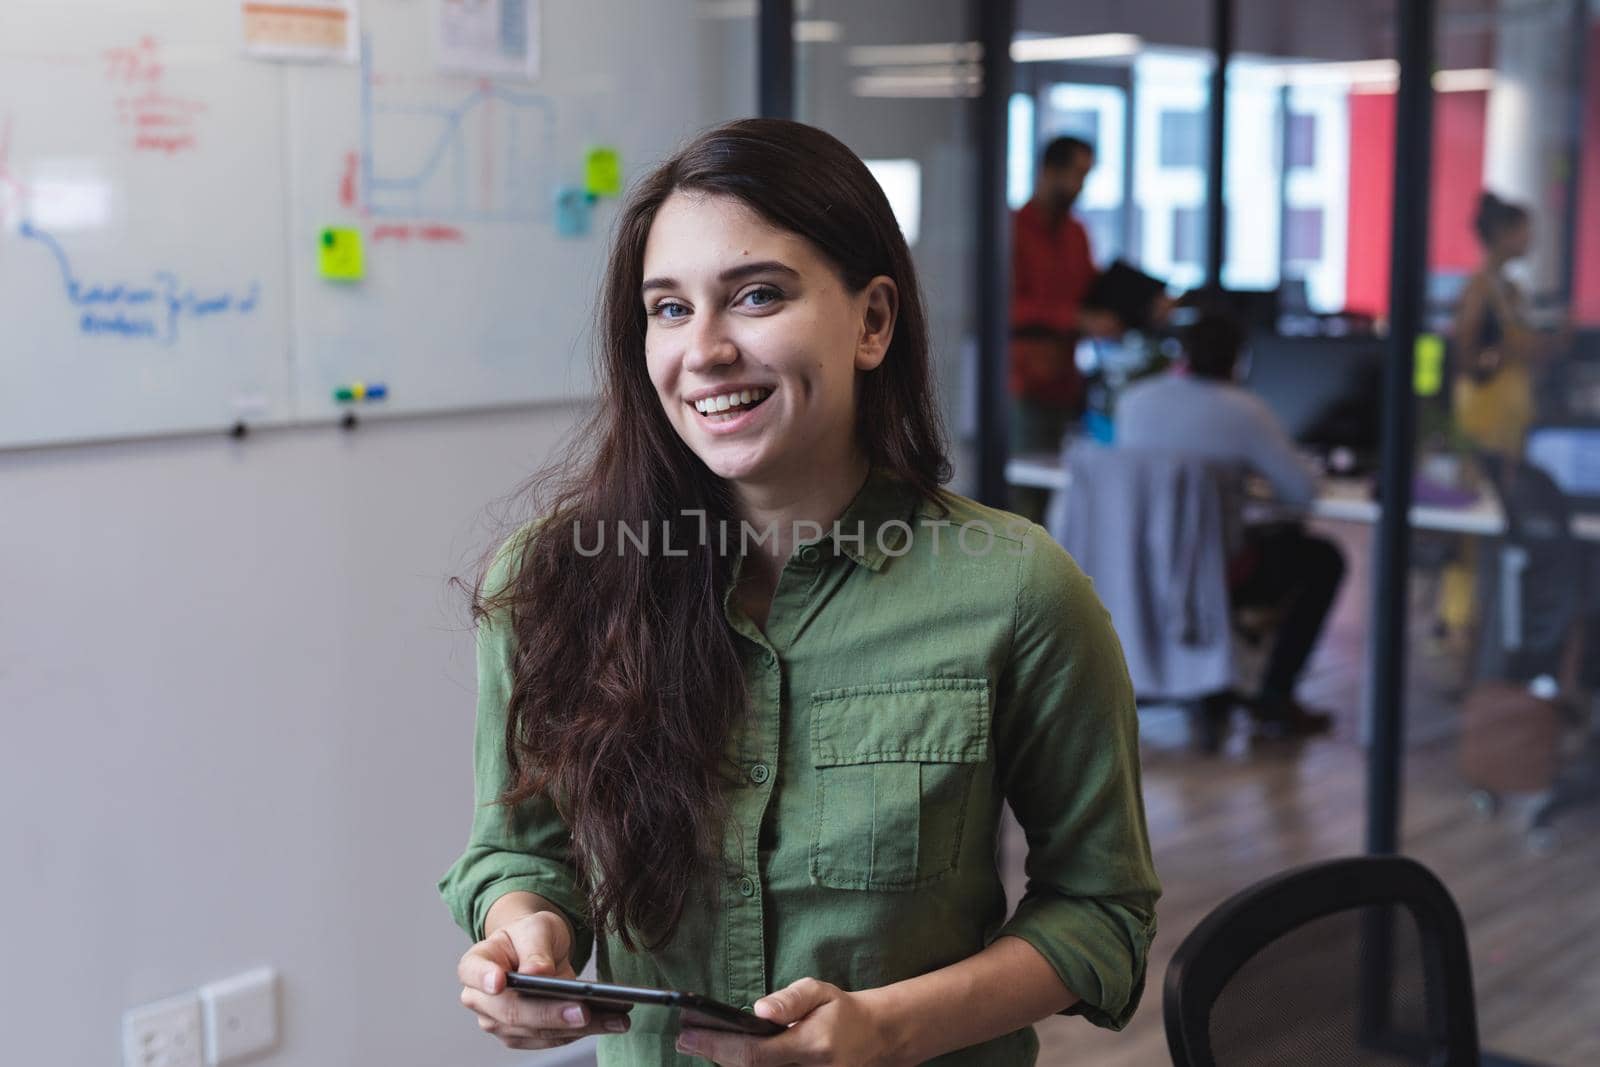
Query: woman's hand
[(540, 943), (827, 1026)]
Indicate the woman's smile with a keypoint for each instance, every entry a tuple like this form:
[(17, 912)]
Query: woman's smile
[(729, 410)]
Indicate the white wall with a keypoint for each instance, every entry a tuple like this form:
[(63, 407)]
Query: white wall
[(236, 705)]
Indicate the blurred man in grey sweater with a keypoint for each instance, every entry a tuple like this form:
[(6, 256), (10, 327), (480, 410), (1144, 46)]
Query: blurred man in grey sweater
[(1199, 410)]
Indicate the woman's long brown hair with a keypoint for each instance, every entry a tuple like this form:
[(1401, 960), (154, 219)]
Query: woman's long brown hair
[(627, 679)]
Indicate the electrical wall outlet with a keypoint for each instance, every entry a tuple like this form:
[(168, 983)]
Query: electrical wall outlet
[(241, 1016), (164, 1034)]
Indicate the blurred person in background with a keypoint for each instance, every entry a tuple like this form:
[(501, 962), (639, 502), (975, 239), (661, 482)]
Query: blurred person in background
[(1498, 351), (1498, 357), (1052, 270), (1199, 410)]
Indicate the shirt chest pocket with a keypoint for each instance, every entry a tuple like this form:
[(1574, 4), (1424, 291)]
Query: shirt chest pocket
[(895, 765)]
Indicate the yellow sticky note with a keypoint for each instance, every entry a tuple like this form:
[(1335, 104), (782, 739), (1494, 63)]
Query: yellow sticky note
[(339, 254), (602, 172), (1428, 371)]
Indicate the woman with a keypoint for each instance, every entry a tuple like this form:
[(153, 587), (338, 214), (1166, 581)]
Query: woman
[(1498, 351), (753, 691), (1497, 354)]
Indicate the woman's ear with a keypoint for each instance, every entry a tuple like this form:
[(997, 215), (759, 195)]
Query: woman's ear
[(880, 307)]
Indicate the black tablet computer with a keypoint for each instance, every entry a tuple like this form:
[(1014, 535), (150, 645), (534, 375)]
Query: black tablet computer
[(693, 1009), (1126, 291)]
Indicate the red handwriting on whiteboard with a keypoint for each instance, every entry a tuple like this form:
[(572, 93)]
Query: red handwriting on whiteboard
[(347, 181), (158, 122), (12, 191), (435, 232), (427, 233), (134, 66)]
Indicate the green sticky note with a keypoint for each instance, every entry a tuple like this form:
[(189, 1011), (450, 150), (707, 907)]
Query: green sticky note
[(1428, 372), (339, 256), (602, 172)]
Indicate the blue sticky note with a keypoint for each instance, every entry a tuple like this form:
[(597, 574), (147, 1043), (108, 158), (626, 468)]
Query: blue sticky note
[(573, 208)]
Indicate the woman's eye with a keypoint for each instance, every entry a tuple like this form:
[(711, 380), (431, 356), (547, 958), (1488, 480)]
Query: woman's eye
[(668, 309), (761, 296)]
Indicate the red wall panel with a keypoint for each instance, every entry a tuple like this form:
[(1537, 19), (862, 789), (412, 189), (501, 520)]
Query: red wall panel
[(1586, 279), (1458, 145), (1460, 121), (1372, 122)]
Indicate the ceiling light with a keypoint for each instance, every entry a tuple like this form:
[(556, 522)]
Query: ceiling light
[(817, 31), (1465, 80), (1357, 72), (1479, 79), (726, 9), (894, 55), (1086, 46), (956, 81)]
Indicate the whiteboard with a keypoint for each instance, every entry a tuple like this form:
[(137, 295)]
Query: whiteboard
[(163, 194)]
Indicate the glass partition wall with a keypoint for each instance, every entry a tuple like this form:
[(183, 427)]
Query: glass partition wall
[(1498, 792), (1501, 782)]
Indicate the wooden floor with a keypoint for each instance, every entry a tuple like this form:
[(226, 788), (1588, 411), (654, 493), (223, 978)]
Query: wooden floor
[(1220, 823)]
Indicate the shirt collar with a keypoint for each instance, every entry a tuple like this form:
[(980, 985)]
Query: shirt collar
[(882, 499), (881, 514)]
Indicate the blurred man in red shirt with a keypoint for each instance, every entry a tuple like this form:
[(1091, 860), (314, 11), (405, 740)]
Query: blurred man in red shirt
[(1051, 271)]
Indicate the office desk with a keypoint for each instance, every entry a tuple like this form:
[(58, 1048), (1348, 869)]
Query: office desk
[(1340, 499)]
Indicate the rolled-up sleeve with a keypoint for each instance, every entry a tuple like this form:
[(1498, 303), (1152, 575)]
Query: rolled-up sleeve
[(1067, 735), (527, 848)]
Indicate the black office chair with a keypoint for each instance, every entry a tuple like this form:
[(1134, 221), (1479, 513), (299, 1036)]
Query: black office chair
[(1539, 580), (1535, 599), (1358, 961)]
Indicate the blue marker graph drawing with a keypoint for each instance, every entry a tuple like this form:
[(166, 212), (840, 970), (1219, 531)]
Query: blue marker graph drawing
[(481, 159), (139, 311)]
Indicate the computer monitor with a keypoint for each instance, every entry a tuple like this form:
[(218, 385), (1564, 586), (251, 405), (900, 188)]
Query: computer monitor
[(1443, 288), (1294, 297), (1570, 455), (1327, 391), (1256, 309)]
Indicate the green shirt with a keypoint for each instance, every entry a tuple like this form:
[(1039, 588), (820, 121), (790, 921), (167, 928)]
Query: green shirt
[(907, 683)]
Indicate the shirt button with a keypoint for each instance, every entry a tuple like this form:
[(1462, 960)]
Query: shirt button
[(771, 657), (809, 554), (760, 773), (747, 887)]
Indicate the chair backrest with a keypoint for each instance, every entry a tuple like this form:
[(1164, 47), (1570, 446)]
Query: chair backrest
[(1150, 528), (1348, 962)]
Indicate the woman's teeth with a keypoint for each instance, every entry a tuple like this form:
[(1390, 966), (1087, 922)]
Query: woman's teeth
[(726, 406)]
